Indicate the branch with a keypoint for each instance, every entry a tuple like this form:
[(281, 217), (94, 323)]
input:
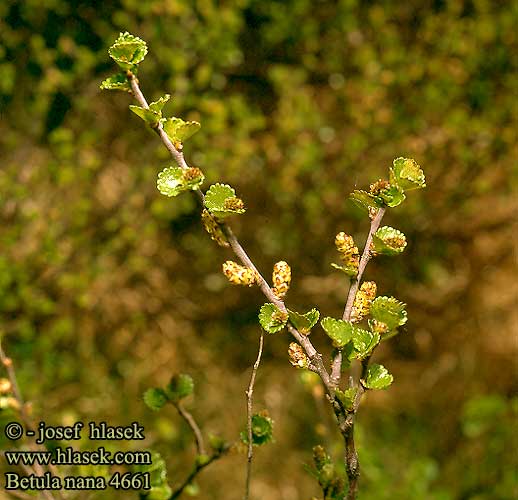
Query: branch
[(200, 446), (197, 469), (249, 401), (313, 355)]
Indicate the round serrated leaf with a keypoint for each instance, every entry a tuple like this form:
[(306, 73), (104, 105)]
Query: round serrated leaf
[(149, 116), (365, 200), (339, 331), (390, 311), (116, 82), (219, 198), (262, 430), (128, 50), (304, 322), (155, 398), (392, 196), (364, 342), (377, 377), (170, 181), (271, 318), (388, 241), (179, 130), (181, 386), (407, 174)]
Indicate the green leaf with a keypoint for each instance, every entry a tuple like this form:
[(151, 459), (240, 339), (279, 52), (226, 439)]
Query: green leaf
[(388, 241), (155, 398), (158, 477), (365, 200), (272, 319), (304, 322), (392, 196), (351, 271), (388, 310), (128, 51), (347, 397), (217, 443), (180, 387), (157, 106), (152, 115), (262, 429), (339, 331), (221, 201), (364, 342), (202, 460), (407, 174), (151, 118), (116, 82), (179, 130), (174, 180), (377, 377)]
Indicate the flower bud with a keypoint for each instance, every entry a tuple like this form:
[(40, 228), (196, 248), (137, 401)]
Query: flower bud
[(212, 227), (297, 355), (239, 275), (281, 279), (348, 250), (361, 306)]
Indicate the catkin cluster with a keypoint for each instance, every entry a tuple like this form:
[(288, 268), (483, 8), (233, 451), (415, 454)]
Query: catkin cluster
[(348, 251), (239, 275), (281, 278)]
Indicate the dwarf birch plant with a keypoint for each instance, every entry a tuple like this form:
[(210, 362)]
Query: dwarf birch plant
[(367, 319)]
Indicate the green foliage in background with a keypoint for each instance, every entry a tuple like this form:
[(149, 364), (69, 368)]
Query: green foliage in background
[(301, 103)]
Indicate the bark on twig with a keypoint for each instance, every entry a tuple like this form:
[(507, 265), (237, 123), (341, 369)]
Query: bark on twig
[(249, 407)]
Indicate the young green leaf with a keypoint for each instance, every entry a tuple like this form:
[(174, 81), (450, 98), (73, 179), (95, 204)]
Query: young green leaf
[(158, 105), (304, 322), (157, 471), (174, 180), (155, 398), (392, 196), (179, 130), (407, 174), (271, 318), (180, 387), (347, 397), (152, 115), (221, 201), (118, 81), (351, 270), (217, 443), (388, 241), (128, 51), (339, 331), (262, 429), (390, 311), (377, 377), (364, 342), (366, 200)]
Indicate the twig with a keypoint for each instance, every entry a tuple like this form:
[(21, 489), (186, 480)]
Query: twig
[(249, 403), (314, 356), (200, 446), (197, 469)]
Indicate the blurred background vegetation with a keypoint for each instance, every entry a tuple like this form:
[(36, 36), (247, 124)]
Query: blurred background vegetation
[(107, 288)]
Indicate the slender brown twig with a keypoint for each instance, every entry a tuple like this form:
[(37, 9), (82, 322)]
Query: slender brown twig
[(200, 446), (249, 404)]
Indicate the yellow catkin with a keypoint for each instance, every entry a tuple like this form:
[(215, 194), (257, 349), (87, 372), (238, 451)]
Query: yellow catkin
[(212, 227), (347, 249), (297, 356), (281, 278), (5, 386), (239, 275), (365, 295)]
